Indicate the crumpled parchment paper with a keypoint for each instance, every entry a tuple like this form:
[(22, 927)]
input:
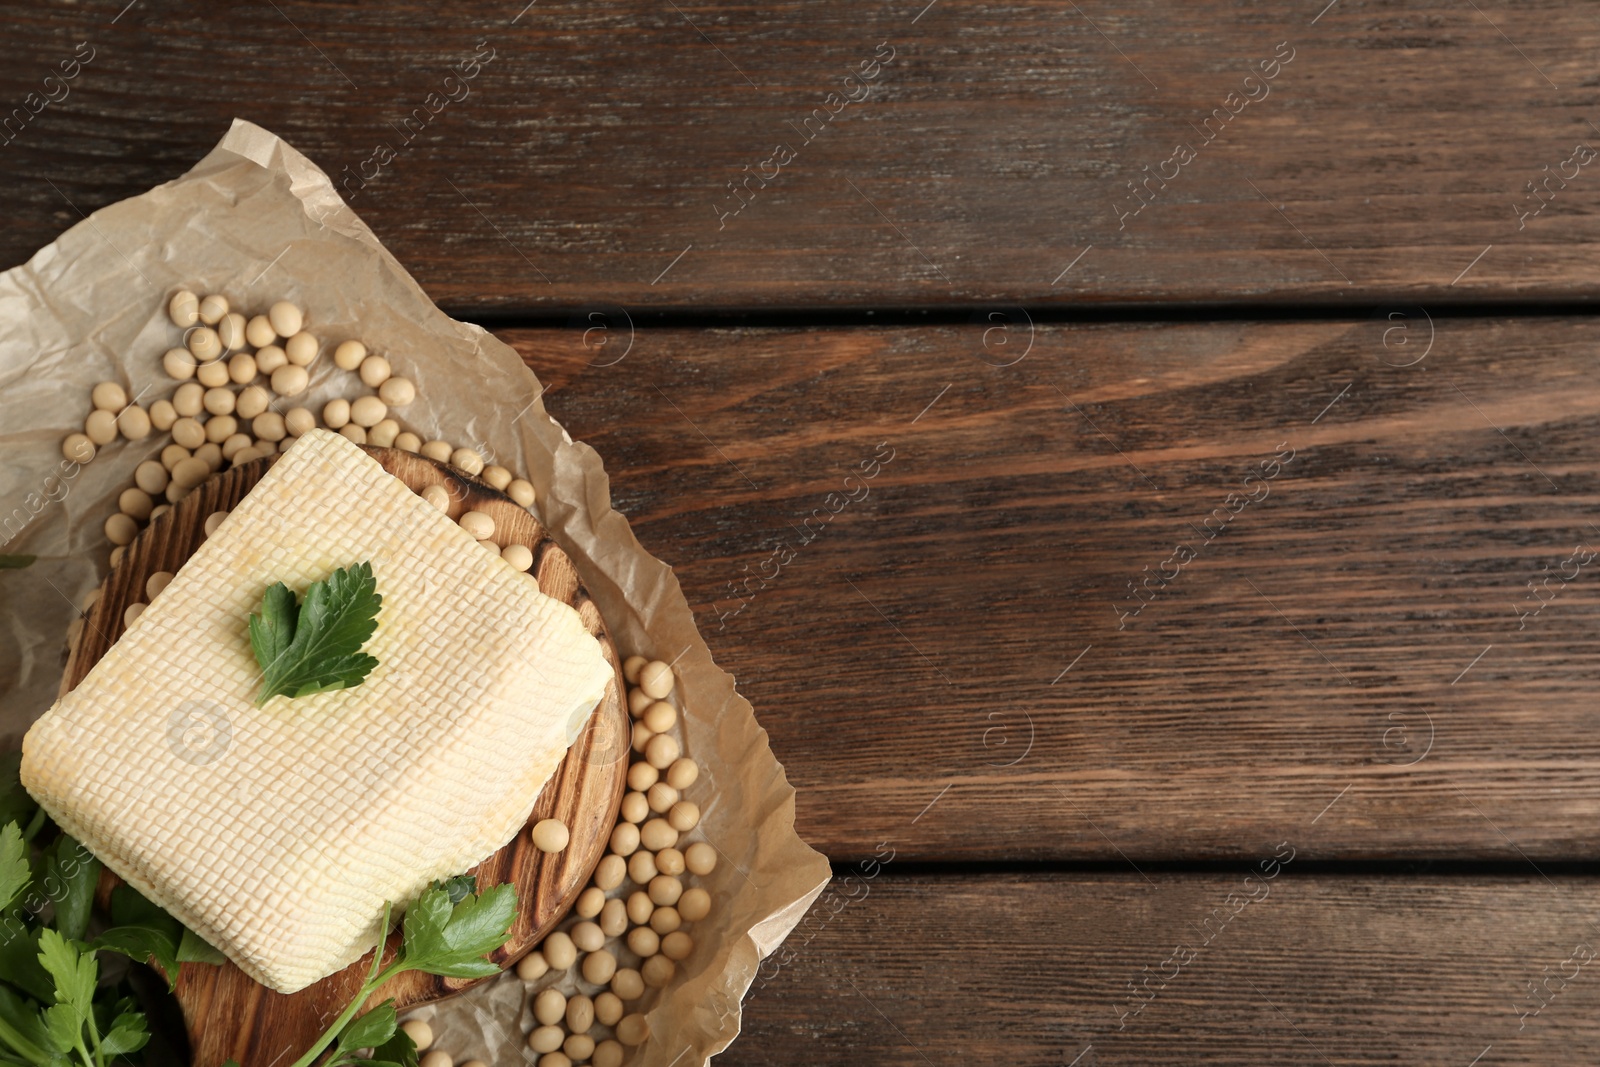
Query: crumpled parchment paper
[(257, 221)]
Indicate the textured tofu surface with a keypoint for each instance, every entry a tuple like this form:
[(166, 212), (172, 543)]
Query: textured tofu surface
[(277, 833)]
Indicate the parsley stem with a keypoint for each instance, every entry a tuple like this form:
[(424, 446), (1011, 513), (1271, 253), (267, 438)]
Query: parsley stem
[(371, 986), (34, 825)]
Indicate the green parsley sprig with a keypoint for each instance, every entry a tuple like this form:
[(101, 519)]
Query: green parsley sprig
[(315, 646), (56, 1008), (448, 932)]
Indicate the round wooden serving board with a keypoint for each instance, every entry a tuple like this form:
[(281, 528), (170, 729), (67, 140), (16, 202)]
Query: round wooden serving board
[(229, 1015)]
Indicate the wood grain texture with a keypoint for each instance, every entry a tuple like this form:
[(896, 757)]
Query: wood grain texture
[(231, 1016), (942, 663), (1036, 971), (1392, 155)]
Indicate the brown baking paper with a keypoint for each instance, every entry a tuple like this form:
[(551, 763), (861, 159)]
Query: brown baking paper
[(256, 221)]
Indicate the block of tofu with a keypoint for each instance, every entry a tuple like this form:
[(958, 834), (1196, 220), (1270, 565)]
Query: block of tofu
[(277, 832)]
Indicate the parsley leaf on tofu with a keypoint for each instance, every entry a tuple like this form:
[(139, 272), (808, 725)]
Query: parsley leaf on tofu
[(315, 646)]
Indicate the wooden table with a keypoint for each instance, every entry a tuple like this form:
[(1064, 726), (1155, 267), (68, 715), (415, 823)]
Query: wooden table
[(1206, 675)]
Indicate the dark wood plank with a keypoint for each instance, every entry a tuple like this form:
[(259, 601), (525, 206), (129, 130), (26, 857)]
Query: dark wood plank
[(229, 1015), (596, 146), (1348, 650), (1036, 970)]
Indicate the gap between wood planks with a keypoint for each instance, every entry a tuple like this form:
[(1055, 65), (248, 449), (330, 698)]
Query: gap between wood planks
[(974, 314), (1304, 868)]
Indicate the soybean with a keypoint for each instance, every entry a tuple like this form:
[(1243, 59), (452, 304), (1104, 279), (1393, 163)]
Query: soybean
[(550, 835), (608, 1007), (559, 951), (230, 331), (658, 971), (269, 426), (151, 476), (614, 918), (610, 872), (532, 967), (640, 907), (642, 867), (656, 679), (188, 399), (100, 426), (183, 309), (625, 839), (700, 857), (349, 354), (661, 797), (204, 343), (301, 349), (109, 396), (467, 460), (397, 392), (259, 332), (677, 945), (242, 368), (659, 717), (374, 371), (670, 861), (547, 1038), (368, 411), (589, 903), (683, 773), (78, 448), (136, 503), (121, 529), (521, 491), (633, 1029), (220, 401), (252, 401), (179, 363), (270, 358), (163, 415), (694, 905), (290, 380), (219, 428), (550, 1006), (286, 319), (626, 983), (665, 890), (588, 936), (662, 751), (336, 414), (642, 776), (684, 816), (419, 1032), (644, 943), (384, 433), (635, 807), (580, 1013), (190, 473), (438, 451), (213, 308), (236, 444), (299, 421)]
